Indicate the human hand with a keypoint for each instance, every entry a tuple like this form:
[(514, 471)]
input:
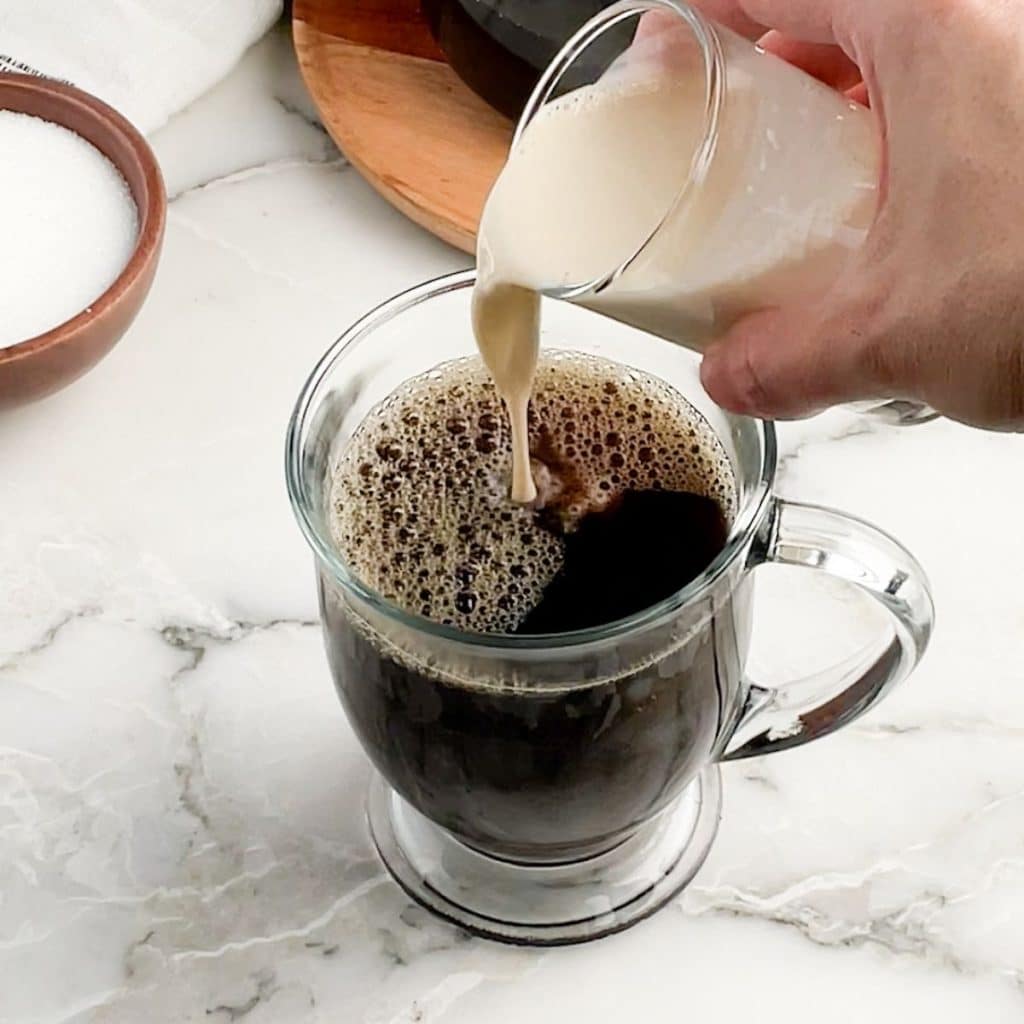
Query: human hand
[(931, 308)]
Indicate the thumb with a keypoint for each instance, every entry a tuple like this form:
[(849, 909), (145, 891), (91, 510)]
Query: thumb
[(813, 21), (784, 364)]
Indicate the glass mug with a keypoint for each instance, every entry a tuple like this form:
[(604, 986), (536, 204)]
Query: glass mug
[(550, 789), (778, 191)]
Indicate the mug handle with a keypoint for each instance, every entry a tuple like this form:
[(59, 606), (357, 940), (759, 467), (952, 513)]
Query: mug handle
[(855, 551)]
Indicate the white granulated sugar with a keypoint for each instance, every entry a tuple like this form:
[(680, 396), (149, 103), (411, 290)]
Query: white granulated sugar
[(67, 225)]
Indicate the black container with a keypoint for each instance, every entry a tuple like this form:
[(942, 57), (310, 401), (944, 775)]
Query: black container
[(500, 47)]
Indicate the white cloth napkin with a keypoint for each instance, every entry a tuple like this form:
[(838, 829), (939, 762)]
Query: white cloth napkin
[(146, 58)]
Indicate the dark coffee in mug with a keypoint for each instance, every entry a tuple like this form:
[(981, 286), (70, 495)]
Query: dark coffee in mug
[(636, 499)]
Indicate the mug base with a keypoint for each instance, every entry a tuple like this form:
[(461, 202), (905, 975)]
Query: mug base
[(547, 905)]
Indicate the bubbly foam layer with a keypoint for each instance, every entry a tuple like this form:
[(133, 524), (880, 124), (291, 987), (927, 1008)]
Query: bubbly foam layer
[(420, 494)]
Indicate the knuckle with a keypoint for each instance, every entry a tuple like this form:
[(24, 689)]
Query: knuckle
[(749, 381), (912, 11), (734, 376)]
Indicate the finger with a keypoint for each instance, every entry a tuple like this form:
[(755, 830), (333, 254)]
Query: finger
[(655, 23), (732, 14), (784, 364), (859, 94), (810, 20), (823, 61)]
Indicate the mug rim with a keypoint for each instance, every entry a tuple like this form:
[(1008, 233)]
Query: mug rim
[(748, 517)]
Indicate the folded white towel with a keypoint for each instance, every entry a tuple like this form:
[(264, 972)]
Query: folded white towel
[(147, 58)]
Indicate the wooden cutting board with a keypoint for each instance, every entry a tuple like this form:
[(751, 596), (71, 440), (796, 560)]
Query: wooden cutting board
[(399, 113)]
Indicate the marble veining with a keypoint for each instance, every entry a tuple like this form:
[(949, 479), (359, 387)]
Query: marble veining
[(181, 822)]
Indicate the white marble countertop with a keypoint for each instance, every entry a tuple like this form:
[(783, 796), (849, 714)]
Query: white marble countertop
[(181, 824)]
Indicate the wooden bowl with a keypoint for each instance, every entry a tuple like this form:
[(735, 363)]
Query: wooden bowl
[(41, 365), (399, 112)]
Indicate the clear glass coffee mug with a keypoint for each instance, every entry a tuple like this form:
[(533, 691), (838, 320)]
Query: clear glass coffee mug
[(772, 196), (552, 789)]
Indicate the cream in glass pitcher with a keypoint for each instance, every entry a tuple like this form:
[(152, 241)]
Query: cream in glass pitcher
[(672, 175)]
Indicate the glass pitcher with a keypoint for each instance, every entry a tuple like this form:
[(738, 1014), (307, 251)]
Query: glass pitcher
[(777, 191)]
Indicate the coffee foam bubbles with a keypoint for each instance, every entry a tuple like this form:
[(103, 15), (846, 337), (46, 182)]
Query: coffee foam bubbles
[(420, 494)]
